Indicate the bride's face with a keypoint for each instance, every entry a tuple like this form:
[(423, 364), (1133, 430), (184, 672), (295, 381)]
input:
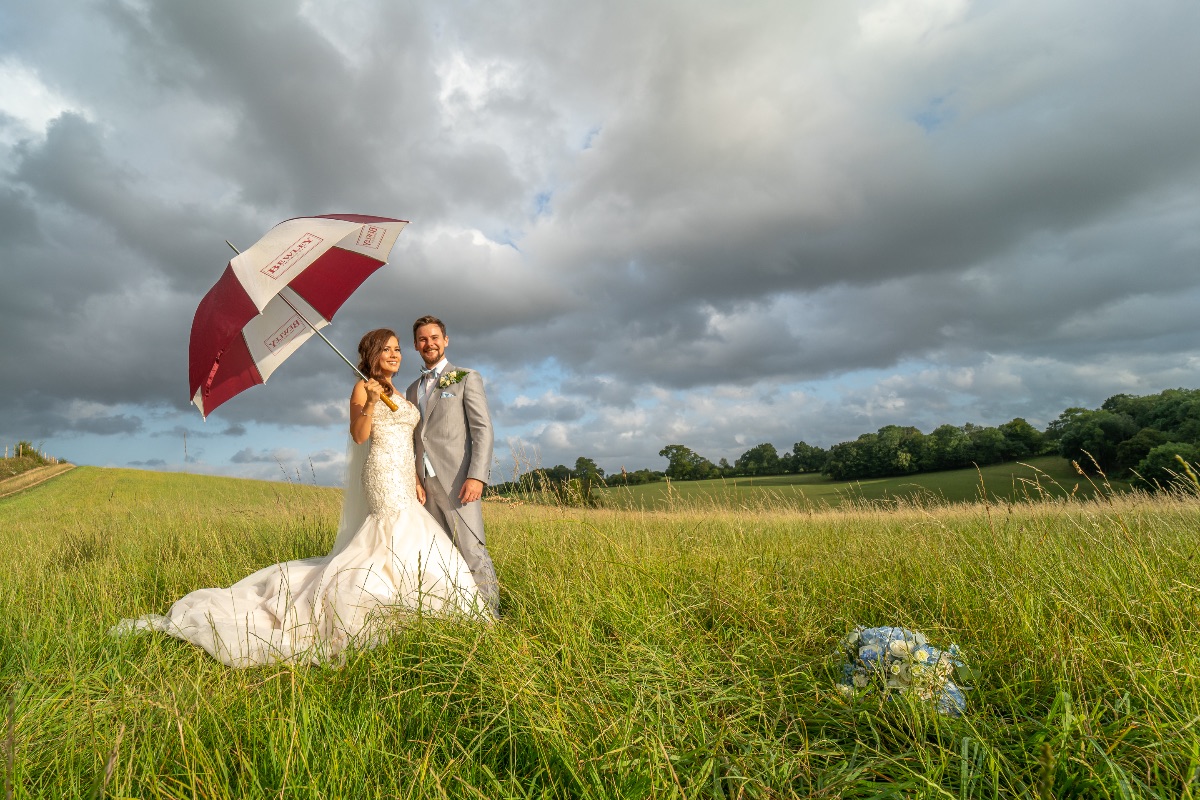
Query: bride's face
[(389, 359)]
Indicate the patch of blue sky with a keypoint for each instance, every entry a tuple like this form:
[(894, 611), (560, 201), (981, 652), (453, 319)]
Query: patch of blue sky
[(936, 114), (531, 381), (121, 436), (589, 138), (541, 203), (834, 388), (506, 236)]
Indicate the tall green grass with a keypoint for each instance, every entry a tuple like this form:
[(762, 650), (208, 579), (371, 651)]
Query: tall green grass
[(642, 654)]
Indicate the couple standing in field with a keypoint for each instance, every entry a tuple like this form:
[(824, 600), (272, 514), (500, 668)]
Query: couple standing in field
[(411, 537), (452, 442)]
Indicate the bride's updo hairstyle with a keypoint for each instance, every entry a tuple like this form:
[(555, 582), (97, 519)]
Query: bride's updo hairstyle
[(370, 347)]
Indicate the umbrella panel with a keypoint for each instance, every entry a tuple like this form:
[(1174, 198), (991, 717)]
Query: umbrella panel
[(328, 283), (295, 247), (262, 345)]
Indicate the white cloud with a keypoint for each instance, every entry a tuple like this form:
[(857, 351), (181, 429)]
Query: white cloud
[(28, 102), (908, 23)]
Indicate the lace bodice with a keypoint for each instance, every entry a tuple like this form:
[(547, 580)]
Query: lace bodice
[(390, 472)]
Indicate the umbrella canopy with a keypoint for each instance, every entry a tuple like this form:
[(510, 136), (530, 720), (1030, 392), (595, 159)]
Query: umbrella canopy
[(260, 310)]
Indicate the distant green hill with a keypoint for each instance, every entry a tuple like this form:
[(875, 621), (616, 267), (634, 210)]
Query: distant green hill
[(1047, 475)]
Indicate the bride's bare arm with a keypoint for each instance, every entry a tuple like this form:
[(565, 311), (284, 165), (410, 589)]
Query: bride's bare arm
[(362, 403)]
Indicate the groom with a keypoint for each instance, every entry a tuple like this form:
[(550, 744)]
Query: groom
[(453, 445)]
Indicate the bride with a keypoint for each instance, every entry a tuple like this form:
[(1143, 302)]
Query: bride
[(390, 555)]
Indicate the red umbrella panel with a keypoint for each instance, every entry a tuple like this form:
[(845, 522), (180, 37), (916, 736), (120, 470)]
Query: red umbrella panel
[(258, 313)]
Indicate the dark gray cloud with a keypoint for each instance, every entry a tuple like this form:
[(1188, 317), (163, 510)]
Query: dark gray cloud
[(180, 431), (549, 407), (252, 456), (704, 223), (108, 425)]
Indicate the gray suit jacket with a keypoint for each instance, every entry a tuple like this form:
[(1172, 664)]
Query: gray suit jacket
[(455, 431)]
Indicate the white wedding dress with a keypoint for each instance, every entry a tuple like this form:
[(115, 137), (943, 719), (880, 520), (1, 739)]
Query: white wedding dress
[(390, 557)]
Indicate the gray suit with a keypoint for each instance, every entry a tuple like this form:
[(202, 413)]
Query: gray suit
[(455, 432)]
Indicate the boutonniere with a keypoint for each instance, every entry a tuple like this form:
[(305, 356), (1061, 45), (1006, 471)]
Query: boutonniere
[(451, 378)]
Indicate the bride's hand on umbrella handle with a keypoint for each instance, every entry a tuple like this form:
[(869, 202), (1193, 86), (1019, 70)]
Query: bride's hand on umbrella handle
[(375, 392)]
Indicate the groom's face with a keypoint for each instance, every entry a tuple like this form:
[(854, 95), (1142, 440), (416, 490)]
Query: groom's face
[(430, 343)]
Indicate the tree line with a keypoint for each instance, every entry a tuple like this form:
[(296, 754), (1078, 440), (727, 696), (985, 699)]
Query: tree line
[(1128, 435), (891, 451)]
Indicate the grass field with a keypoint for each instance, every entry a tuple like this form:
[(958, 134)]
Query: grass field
[(1035, 478), (685, 653)]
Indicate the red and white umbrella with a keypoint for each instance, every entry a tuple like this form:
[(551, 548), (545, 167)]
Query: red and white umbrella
[(276, 294)]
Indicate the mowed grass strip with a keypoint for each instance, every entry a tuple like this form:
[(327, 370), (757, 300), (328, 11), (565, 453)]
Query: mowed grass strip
[(685, 653), (31, 478)]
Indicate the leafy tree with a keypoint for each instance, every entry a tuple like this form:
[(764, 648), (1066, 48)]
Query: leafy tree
[(1161, 465), (806, 458), (1131, 451), (1170, 411), (588, 474), (645, 476), (1172, 415), (703, 469), (761, 459), (685, 464), (895, 450), (587, 465), (1021, 440), (1090, 438), (556, 474), (1177, 413), (848, 460), (987, 446), (948, 447), (679, 461), (1054, 430), (635, 478)]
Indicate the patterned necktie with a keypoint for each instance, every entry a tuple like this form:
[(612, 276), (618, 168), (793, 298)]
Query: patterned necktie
[(428, 377)]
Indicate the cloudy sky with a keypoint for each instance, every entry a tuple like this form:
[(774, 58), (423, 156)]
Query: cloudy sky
[(646, 223)]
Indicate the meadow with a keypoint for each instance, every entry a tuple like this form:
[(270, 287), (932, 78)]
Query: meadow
[(643, 653)]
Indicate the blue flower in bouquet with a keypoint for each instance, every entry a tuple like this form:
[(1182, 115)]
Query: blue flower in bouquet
[(903, 661)]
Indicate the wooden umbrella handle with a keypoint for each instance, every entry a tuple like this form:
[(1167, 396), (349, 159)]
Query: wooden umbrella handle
[(389, 402)]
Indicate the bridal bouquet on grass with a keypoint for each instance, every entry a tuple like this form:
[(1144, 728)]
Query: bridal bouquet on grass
[(897, 659)]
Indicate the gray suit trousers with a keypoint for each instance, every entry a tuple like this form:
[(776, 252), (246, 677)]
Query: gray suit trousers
[(474, 551)]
